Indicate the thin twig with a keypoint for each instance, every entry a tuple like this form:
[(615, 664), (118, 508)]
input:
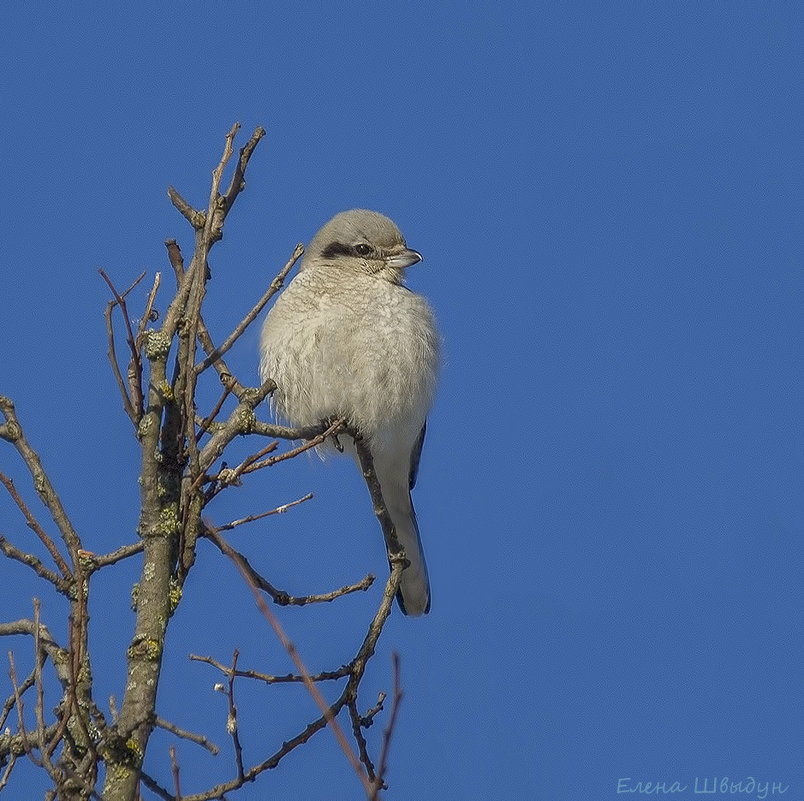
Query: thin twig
[(228, 477), (366, 462), (26, 685), (7, 772), (275, 286), (77, 638), (132, 408), (12, 672), (237, 183), (210, 418), (357, 733), (382, 766), (40, 689), (57, 655), (156, 788), (95, 562), (40, 479), (198, 739), (174, 766), (128, 407), (12, 552), (278, 511), (280, 596), (356, 670), (288, 645), (231, 721), (289, 678), (135, 365), (34, 525), (149, 307), (315, 441)]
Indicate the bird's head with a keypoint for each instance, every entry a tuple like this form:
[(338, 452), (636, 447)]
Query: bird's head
[(361, 241)]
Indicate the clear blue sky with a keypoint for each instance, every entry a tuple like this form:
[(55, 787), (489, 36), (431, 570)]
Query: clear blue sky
[(608, 197)]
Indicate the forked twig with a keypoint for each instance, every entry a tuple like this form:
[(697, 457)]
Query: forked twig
[(34, 525), (288, 645), (134, 406)]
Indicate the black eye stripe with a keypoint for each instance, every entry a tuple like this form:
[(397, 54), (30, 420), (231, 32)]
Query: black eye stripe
[(336, 249), (341, 249)]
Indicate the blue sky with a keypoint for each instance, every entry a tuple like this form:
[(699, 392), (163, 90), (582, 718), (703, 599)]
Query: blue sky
[(608, 197)]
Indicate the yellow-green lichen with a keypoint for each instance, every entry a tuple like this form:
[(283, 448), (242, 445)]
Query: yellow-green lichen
[(145, 424), (167, 390), (247, 419), (175, 595), (134, 751), (168, 521), (157, 344), (147, 648)]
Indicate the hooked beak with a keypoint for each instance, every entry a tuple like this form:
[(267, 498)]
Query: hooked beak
[(404, 259)]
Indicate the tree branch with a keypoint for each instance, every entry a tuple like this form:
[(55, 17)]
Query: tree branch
[(33, 524), (13, 432), (275, 286), (279, 596)]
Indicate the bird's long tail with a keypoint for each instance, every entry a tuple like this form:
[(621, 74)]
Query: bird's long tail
[(414, 589)]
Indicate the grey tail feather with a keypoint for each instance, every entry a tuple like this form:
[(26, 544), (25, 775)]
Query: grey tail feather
[(399, 596)]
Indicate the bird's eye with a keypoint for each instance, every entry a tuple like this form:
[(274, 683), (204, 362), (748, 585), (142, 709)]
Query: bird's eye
[(363, 249)]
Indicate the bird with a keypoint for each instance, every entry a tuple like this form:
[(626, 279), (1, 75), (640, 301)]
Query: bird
[(347, 338)]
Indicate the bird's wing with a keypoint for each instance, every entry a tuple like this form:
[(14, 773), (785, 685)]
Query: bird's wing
[(415, 455)]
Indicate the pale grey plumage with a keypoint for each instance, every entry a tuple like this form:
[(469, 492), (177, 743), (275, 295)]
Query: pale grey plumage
[(347, 338)]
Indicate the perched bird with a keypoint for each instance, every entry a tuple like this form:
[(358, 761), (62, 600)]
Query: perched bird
[(348, 339)]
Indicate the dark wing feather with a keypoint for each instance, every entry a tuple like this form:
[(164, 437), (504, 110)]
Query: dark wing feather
[(415, 455)]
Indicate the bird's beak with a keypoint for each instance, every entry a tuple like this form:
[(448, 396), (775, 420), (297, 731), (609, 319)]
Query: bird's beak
[(404, 259)]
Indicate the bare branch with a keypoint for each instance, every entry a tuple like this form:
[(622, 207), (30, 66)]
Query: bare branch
[(149, 314), (128, 407), (12, 672), (64, 586), (228, 477), (195, 218), (174, 765), (176, 259), (217, 207), (312, 443), (278, 511), (279, 596), (171, 471), (135, 364), (238, 183), (389, 730), (95, 562), (275, 286), (7, 772), (210, 418), (357, 733), (10, 703), (198, 739), (157, 788), (373, 483), (34, 525), (231, 721), (289, 678), (241, 564), (41, 481), (58, 656), (241, 421)]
